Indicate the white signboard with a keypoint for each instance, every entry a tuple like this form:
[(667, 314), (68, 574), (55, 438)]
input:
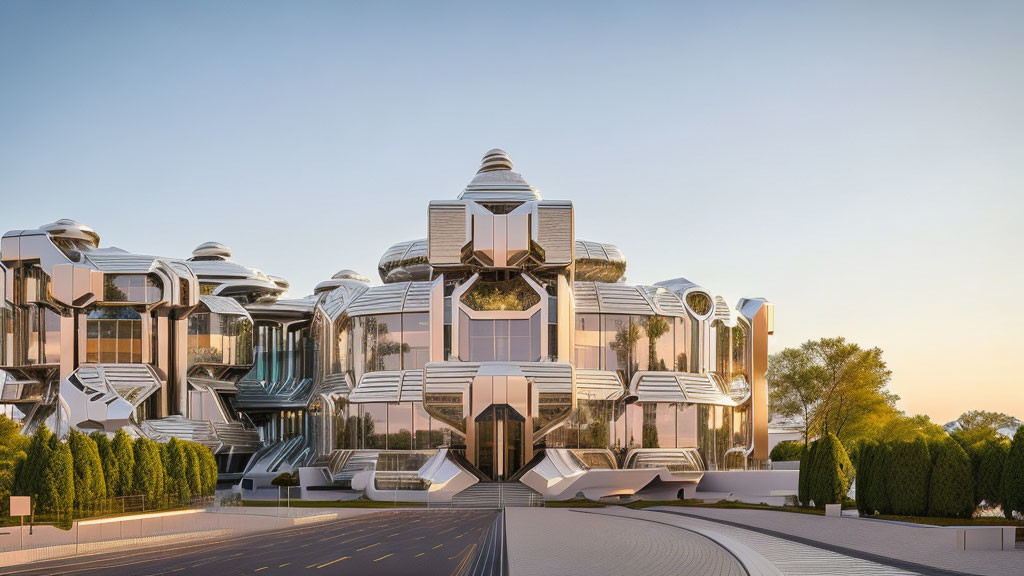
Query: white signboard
[(21, 505)]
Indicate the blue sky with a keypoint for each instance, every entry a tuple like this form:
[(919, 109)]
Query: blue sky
[(860, 164)]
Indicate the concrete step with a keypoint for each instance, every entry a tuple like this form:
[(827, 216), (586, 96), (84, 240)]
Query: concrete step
[(497, 495)]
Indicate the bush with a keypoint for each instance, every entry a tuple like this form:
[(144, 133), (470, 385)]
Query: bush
[(1012, 497), (193, 471), (125, 462), (908, 469), (830, 472), (285, 479), (951, 487), (989, 457), (209, 465), (804, 481), (787, 450), (176, 464)]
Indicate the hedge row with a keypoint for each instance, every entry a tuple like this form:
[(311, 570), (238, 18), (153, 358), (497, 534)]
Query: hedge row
[(787, 450), (940, 478), (79, 476), (825, 473)]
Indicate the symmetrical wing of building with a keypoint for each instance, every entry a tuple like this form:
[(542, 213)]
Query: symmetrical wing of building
[(498, 348)]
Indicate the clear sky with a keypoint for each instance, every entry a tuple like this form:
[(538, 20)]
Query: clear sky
[(860, 164)]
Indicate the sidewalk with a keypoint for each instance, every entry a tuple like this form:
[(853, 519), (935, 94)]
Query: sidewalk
[(923, 545)]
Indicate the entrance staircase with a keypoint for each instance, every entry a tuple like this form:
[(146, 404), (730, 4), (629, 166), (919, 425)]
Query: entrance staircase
[(498, 495)]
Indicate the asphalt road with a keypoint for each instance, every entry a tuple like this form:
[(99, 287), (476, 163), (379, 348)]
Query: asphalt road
[(421, 543)]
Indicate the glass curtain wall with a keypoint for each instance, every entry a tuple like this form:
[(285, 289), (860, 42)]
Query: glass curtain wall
[(489, 340), (395, 341), (389, 426), (219, 339)]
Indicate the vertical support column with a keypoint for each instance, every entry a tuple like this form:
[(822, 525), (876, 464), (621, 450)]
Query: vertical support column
[(761, 327), (437, 320), (161, 358), (566, 320)]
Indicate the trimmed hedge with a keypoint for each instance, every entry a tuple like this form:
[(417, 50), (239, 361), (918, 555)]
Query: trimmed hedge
[(951, 489), (787, 450), (1013, 477), (825, 473), (804, 481), (988, 458), (865, 472)]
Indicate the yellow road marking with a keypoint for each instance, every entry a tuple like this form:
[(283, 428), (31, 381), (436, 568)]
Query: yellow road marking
[(311, 565), (258, 569), (383, 557), (283, 565), (370, 546), (420, 554), (436, 547), (332, 562)]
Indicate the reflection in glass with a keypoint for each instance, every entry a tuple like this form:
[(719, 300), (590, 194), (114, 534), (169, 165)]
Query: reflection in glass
[(113, 336)]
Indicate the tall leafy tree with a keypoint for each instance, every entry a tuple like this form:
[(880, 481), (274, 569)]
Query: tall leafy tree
[(12, 455), (908, 474), (837, 386), (193, 470), (86, 462), (951, 487), (125, 460), (176, 464), (147, 471)]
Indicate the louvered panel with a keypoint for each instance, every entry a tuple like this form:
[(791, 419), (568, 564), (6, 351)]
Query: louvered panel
[(555, 233), (412, 386), (702, 389), (658, 387), (377, 387), (549, 376), (337, 301), (447, 232), (666, 302), (417, 299), (223, 305), (598, 385), (722, 310), (446, 377), (585, 297), (337, 383), (622, 299), (120, 262), (379, 300)]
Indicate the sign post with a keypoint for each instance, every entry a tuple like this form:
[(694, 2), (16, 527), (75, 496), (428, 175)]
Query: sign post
[(21, 506)]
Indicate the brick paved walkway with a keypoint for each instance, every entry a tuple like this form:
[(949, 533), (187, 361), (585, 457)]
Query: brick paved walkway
[(546, 541), (901, 542)]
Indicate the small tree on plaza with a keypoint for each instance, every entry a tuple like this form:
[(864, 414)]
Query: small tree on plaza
[(176, 464), (146, 471), (90, 485), (831, 472), (59, 481), (805, 478), (29, 478), (193, 470)]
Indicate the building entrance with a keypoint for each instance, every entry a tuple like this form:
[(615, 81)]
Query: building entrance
[(500, 440)]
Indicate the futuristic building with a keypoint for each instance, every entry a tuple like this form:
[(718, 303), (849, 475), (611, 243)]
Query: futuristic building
[(498, 348)]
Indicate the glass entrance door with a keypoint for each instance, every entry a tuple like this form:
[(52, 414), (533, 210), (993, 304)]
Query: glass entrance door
[(499, 440)]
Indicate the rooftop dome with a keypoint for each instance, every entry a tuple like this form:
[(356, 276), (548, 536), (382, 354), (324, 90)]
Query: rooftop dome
[(211, 251), (495, 159), (71, 230), (347, 274)]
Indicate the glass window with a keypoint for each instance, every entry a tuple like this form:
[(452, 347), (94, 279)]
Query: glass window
[(136, 288), (415, 340), (587, 353), (686, 426), (621, 336), (739, 349), (722, 351), (114, 336), (219, 339), (374, 425), (400, 426), (500, 340), (660, 343), (382, 342)]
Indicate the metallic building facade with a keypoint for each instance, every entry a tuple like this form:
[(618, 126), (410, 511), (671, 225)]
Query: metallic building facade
[(498, 348)]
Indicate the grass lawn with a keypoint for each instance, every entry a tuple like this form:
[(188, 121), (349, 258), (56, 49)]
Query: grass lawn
[(333, 504), (574, 503), (987, 521), (725, 504)]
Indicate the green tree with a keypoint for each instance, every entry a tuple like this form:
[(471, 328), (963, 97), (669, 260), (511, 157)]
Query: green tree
[(176, 465), (90, 485), (805, 479), (146, 472), (125, 460), (908, 472), (108, 462), (787, 450), (626, 339), (209, 466), (831, 472), (59, 482), (837, 386), (194, 472), (1013, 476), (951, 487), (12, 454), (974, 419), (29, 479)]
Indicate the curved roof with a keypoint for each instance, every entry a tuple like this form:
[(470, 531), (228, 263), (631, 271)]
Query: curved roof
[(405, 261), (599, 262)]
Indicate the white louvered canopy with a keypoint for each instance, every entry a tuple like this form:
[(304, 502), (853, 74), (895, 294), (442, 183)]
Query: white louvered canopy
[(678, 387), (391, 298), (598, 385)]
